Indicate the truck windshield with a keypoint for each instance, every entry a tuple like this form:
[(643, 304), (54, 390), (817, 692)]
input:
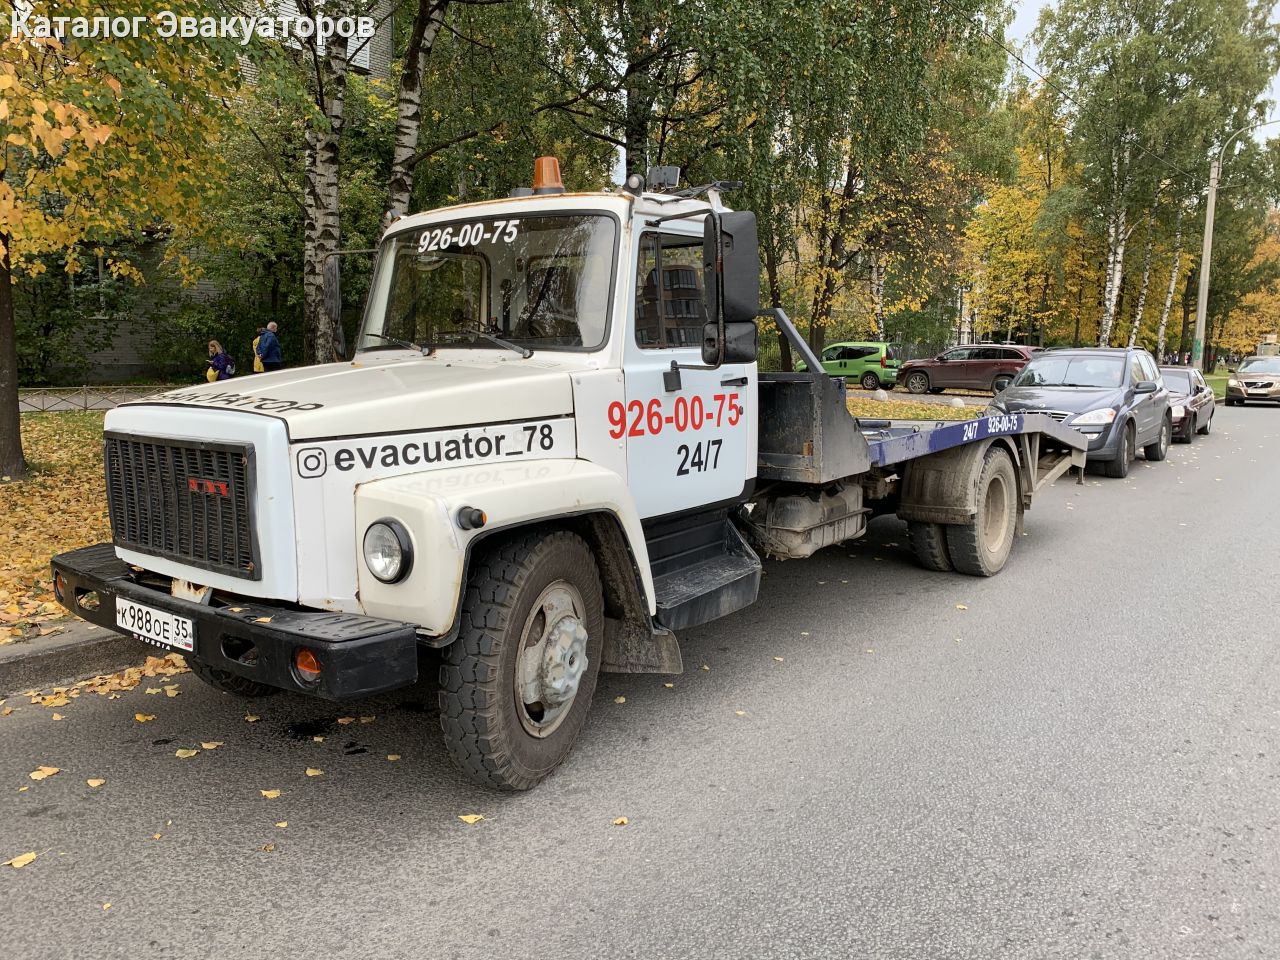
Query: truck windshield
[(1072, 371), (540, 282)]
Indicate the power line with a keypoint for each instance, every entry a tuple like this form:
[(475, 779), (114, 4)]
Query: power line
[(1066, 96)]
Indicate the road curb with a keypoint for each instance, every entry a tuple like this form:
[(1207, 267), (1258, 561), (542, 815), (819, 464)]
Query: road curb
[(80, 650)]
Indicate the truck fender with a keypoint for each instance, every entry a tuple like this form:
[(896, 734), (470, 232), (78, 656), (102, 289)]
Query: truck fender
[(574, 494), (942, 487)]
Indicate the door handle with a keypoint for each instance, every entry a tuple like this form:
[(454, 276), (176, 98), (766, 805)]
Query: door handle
[(734, 382)]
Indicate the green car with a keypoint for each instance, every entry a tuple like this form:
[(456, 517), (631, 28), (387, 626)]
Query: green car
[(874, 365)]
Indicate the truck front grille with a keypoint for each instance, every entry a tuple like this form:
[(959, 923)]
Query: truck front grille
[(190, 501)]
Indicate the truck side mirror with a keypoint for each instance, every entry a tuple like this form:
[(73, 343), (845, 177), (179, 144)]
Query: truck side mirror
[(731, 287)]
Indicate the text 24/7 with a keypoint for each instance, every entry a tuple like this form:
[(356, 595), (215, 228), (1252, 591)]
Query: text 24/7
[(686, 413)]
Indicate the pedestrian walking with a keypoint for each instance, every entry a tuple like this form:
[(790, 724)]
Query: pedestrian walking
[(221, 366), (257, 360), (268, 349)]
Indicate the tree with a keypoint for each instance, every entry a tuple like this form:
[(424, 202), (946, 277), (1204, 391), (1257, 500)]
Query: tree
[(100, 140)]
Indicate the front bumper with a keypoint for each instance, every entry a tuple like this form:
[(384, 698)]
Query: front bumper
[(358, 655), (1241, 393)]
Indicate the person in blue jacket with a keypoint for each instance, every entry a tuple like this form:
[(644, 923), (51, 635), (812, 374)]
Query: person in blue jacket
[(269, 349), (221, 366)]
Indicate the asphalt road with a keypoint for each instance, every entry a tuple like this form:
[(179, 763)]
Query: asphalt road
[(1084, 763)]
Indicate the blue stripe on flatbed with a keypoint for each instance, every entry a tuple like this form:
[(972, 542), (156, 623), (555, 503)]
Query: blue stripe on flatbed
[(895, 441)]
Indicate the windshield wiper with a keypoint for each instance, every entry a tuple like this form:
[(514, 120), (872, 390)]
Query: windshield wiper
[(405, 344), (524, 352)]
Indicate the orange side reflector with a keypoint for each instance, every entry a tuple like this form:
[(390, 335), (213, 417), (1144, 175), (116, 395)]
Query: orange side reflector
[(546, 174), (307, 663)]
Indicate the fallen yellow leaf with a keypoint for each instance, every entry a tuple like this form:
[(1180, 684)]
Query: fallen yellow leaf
[(156, 836), (41, 773), (343, 721), (154, 690), (106, 906), (314, 772), (261, 619), (779, 659), (21, 860), (282, 824), (268, 847), (211, 744), (58, 716), (740, 713), (471, 817), (368, 719), (95, 782), (144, 717), (705, 667), (171, 691), (961, 606), (619, 699), (669, 686), (185, 754), (393, 756), (251, 718), (621, 822), (318, 739), (270, 794)]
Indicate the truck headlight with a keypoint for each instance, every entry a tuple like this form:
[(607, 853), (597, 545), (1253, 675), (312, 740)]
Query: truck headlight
[(1095, 418), (388, 551)]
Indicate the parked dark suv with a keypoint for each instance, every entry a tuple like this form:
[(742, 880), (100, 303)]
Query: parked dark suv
[(1115, 397), (979, 366)]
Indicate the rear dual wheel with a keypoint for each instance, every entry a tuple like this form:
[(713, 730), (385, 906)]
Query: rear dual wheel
[(980, 549)]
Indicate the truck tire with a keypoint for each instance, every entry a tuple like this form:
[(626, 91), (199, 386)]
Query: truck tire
[(510, 715), (1157, 451), (980, 549), (917, 382), (1118, 468), (229, 682), (930, 543)]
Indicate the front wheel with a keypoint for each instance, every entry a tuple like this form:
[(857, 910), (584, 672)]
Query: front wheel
[(870, 381), (1118, 468), (1000, 384), (917, 382), (516, 685), (1158, 450), (1208, 425), (980, 549)]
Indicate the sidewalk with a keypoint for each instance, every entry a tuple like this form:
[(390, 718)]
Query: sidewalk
[(76, 651)]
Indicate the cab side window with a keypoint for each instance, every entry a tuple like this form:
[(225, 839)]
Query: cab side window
[(669, 308)]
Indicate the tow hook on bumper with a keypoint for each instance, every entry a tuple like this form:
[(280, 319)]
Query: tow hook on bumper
[(357, 655)]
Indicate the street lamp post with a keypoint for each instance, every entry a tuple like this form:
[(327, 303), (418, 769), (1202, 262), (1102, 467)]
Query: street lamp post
[(1206, 253)]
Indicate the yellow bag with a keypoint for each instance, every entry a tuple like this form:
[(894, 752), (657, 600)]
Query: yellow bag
[(211, 374)]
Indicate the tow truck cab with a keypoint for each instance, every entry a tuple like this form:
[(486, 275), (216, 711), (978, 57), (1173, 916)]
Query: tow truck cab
[(534, 461)]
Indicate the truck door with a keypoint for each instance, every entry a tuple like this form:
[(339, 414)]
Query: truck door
[(691, 445)]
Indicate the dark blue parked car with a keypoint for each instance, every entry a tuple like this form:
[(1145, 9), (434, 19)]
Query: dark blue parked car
[(1115, 397)]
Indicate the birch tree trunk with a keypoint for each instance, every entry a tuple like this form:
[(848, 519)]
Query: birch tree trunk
[(1116, 239), (1142, 290), (322, 233), (426, 27), (877, 293), (1173, 283)]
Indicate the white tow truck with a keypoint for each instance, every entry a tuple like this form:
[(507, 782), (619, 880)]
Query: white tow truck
[(551, 451)]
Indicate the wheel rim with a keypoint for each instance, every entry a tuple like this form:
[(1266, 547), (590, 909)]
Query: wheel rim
[(1001, 385), (870, 382), (917, 383), (1164, 437), (995, 515), (1126, 453), (552, 658)]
